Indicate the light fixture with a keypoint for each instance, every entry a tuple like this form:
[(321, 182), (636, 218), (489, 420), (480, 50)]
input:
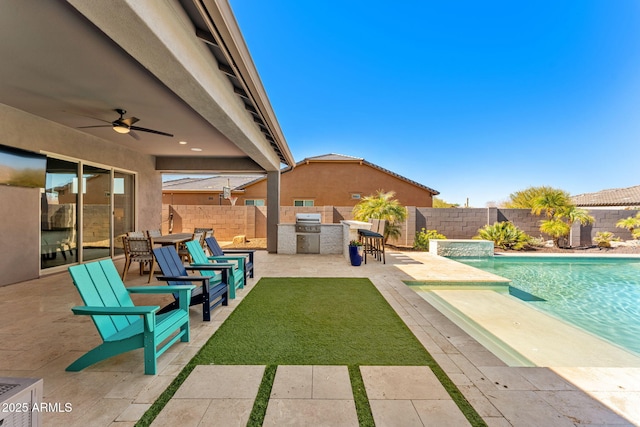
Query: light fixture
[(196, 149), (120, 128), (183, 142)]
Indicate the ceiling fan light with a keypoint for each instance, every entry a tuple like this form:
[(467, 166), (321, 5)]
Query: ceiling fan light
[(121, 129)]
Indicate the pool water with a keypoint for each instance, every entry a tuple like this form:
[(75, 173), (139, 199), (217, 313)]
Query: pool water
[(599, 295)]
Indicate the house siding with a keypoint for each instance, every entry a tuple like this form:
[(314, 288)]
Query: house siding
[(334, 183)]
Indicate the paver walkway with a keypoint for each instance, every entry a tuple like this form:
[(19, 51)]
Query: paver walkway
[(223, 395)]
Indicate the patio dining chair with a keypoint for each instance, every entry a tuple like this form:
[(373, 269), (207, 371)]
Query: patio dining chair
[(138, 249), (203, 232), (136, 234), (154, 233), (182, 248)]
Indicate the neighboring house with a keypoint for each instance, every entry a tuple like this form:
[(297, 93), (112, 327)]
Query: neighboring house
[(618, 198), (327, 180), (337, 180), (203, 191)]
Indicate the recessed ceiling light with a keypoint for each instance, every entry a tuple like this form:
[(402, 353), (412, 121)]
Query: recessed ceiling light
[(196, 149), (183, 142)]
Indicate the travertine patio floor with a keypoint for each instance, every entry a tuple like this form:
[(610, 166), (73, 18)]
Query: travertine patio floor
[(40, 337)]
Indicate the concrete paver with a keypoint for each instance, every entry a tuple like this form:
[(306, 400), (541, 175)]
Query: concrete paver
[(311, 396), (221, 382), (409, 396), (310, 413)]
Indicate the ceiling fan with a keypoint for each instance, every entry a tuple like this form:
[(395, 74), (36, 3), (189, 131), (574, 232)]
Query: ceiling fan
[(125, 126)]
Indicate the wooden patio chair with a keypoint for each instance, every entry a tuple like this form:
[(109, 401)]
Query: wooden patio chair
[(182, 248), (138, 249), (154, 233), (213, 279), (236, 272), (122, 325), (216, 250), (203, 232)]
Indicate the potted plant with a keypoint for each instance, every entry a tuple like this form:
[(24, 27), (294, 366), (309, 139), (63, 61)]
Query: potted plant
[(355, 252)]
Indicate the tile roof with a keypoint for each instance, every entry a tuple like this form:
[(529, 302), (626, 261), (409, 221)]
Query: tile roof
[(612, 197), (212, 183)]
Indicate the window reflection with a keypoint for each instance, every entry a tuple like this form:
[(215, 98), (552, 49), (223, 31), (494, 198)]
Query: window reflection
[(58, 242)]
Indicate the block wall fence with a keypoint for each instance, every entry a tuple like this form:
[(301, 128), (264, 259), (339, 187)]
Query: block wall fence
[(454, 223)]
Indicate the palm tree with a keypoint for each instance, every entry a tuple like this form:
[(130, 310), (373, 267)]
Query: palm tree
[(631, 223), (523, 199), (556, 229), (561, 214), (382, 206), (549, 202)]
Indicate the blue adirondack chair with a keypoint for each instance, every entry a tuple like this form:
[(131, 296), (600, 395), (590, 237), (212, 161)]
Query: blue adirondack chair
[(213, 290), (122, 325), (236, 273), (216, 250)]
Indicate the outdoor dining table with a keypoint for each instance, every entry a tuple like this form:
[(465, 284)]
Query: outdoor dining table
[(173, 239)]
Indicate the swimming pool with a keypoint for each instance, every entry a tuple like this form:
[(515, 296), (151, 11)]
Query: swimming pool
[(599, 295)]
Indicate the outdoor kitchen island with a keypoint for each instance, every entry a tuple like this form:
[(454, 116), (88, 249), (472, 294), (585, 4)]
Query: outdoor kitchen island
[(309, 236)]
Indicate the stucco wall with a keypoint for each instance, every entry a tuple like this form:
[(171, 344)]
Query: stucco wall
[(21, 207)]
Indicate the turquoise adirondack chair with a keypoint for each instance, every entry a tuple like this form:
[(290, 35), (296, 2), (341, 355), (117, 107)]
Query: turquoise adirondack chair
[(236, 275), (122, 325)]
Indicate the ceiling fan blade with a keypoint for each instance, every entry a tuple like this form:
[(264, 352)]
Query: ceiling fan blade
[(130, 121), (134, 135), (84, 115), (96, 126), (157, 132)]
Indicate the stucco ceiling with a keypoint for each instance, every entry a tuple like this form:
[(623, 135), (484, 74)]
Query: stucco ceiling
[(59, 66)]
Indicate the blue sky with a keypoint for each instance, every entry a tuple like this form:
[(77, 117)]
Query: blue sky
[(476, 99)]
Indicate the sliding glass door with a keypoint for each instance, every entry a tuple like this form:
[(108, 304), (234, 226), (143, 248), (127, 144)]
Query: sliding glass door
[(96, 213), (58, 219), (85, 211), (123, 208)]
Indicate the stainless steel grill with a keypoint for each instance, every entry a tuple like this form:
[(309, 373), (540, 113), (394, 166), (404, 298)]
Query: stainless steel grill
[(308, 223), (308, 227)]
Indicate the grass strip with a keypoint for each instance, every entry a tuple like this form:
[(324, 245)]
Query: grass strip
[(262, 399), (363, 409)]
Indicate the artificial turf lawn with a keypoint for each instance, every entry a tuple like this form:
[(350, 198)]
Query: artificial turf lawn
[(310, 321), (314, 321)]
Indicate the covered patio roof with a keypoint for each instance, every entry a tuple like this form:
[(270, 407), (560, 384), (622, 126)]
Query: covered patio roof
[(180, 67)]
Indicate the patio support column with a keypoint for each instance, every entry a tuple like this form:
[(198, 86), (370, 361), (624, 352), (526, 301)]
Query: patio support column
[(273, 210)]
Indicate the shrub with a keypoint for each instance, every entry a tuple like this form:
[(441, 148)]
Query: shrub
[(504, 235), (632, 224), (537, 242), (604, 239), (422, 239)]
